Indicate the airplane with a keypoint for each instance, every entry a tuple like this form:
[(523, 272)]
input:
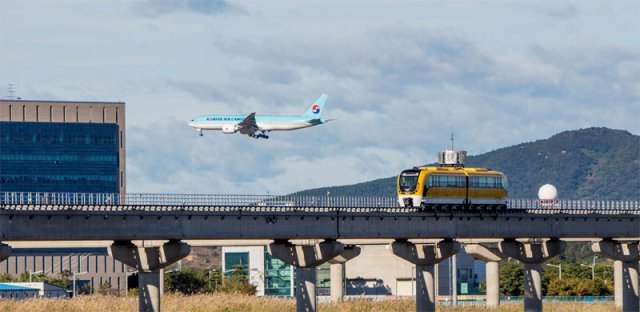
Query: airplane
[(257, 126)]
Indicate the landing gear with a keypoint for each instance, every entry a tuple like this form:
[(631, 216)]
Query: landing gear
[(200, 132), (262, 135)]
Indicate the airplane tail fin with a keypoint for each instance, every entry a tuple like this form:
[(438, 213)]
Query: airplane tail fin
[(316, 108)]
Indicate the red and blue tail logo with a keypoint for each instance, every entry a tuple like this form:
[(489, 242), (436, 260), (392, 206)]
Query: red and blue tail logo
[(315, 109)]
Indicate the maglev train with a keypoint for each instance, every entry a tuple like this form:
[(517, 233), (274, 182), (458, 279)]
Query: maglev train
[(452, 188)]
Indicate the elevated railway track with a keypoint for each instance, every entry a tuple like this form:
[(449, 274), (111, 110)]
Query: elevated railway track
[(33, 222), (530, 231)]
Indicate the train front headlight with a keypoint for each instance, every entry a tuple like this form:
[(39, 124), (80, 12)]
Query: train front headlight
[(408, 202)]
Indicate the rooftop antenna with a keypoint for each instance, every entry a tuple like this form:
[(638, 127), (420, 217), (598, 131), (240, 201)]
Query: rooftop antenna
[(452, 141), (452, 158), (10, 92)]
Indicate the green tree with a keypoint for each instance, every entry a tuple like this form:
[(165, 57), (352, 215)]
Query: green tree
[(6, 277), (482, 286), (237, 283), (214, 280), (576, 270), (563, 287), (106, 289), (187, 281), (511, 279)]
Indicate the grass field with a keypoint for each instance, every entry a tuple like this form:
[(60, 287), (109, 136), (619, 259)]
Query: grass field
[(242, 303)]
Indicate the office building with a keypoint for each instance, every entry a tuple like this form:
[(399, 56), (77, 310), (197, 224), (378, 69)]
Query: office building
[(93, 266), (62, 147), (375, 272), (32, 290), (51, 150), (271, 276)]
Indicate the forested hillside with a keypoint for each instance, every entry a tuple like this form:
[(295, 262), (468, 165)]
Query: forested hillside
[(589, 163)]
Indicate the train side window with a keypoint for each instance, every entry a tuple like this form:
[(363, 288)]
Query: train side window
[(451, 181), (434, 181)]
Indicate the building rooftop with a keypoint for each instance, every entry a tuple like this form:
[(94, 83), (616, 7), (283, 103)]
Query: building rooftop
[(12, 287), (48, 101)]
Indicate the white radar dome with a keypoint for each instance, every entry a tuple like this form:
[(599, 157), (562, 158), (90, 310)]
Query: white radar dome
[(547, 192)]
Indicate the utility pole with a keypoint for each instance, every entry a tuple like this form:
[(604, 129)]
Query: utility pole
[(31, 275), (74, 281), (592, 266)]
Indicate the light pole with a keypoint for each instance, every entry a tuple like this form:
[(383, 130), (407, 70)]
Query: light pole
[(209, 272), (592, 266), (221, 276), (32, 273), (74, 281), (559, 266)]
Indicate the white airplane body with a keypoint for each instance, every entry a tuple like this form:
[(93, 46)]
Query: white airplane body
[(252, 124)]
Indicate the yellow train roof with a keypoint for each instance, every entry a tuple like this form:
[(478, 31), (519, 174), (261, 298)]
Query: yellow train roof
[(458, 169)]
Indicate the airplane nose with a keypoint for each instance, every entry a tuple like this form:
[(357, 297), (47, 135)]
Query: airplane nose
[(192, 124)]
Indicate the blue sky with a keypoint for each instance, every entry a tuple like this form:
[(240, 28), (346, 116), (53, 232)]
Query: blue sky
[(400, 75)]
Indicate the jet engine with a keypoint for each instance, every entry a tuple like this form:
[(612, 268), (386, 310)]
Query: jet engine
[(229, 128)]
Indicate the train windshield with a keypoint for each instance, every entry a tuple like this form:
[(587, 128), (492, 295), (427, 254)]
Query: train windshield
[(408, 180), (504, 183)]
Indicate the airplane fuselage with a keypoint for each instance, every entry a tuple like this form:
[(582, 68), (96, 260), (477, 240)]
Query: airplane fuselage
[(256, 126), (264, 122)]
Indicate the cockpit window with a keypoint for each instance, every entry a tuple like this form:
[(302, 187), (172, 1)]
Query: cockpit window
[(408, 180)]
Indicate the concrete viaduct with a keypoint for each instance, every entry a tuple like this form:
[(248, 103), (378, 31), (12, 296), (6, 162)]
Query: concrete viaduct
[(423, 238)]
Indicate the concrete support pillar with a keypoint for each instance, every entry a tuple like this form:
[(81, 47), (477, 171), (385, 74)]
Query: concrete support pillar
[(425, 257), (493, 283), (425, 288), (532, 255), (626, 278), (161, 282), (454, 280), (149, 290), (5, 252), (337, 282), (148, 261), (492, 257), (305, 258), (337, 271), (617, 283), (532, 287), (306, 289), (630, 298)]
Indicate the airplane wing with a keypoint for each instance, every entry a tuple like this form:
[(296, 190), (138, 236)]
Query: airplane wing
[(248, 125), (318, 121)]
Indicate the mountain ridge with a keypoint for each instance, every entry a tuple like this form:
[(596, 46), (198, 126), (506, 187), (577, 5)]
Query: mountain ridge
[(590, 163)]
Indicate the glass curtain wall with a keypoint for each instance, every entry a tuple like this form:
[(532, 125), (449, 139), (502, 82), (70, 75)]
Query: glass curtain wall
[(58, 157), (323, 279), (236, 261), (277, 276)]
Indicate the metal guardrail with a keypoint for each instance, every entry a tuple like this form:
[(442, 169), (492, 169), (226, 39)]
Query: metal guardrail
[(286, 202), (562, 298), (44, 198), (20, 198), (260, 200)]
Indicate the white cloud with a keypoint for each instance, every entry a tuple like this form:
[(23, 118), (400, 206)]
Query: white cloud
[(400, 76), (156, 8)]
